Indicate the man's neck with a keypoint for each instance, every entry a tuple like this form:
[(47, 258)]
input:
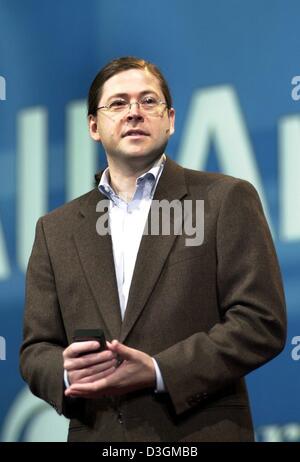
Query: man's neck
[(123, 177)]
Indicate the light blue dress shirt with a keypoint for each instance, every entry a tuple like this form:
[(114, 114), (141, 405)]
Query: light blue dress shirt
[(127, 221)]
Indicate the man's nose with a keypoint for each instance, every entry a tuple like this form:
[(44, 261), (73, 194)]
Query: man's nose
[(134, 111)]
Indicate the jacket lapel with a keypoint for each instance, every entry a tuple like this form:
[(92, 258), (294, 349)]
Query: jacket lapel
[(96, 256), (154, 249)]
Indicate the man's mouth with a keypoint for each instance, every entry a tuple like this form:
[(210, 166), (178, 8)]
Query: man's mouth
[(135, 132)]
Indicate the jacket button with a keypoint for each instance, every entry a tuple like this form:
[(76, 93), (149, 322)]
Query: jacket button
[(120, 418)]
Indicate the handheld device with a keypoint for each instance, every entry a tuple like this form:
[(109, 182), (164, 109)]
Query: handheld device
[(84, 335)]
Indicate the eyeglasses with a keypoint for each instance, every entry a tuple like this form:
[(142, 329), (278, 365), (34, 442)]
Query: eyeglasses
[(149, 104)]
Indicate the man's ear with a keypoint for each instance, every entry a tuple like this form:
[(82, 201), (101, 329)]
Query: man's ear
[(93, 128), (172, 120)]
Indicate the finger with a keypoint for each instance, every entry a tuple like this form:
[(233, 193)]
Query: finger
[(82, 389), (115, 380), (89, 387), (93, 370), (77, 348), (97, 377), (88, 360), (122, 350), (98, 385)]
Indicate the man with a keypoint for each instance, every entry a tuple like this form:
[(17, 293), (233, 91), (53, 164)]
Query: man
[(183, 323)]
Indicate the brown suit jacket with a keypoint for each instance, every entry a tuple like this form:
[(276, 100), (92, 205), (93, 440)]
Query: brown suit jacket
[(208, 314)]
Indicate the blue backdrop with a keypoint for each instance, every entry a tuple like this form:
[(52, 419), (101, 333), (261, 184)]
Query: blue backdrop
[(230, 66)]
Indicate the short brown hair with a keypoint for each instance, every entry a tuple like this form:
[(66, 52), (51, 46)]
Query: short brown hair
[(119, 65)]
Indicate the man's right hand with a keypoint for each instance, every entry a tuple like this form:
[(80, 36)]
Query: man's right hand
[(90, 367)]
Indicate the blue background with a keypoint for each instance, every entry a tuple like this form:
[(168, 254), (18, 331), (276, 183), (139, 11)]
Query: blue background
[(49, 54)]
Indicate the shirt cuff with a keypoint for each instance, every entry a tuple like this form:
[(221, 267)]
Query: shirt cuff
[(66, 380), (160, 386)]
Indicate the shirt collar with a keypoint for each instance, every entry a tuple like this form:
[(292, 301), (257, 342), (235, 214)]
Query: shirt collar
[(145, 183)]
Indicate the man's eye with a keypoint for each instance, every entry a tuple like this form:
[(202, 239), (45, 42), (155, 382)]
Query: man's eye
[(118, 103), (149, 101)]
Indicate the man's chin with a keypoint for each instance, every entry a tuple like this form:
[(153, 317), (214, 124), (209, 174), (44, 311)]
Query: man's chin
[(145, 158), (138, 154)]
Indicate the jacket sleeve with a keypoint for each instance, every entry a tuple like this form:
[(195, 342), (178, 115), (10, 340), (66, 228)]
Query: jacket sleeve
[(44, 338), (252, 329)]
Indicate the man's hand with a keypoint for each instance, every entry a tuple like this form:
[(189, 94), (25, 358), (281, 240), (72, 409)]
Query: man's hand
[(89, 367), (137, 371)]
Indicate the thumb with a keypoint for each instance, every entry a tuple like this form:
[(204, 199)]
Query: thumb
[(122, 350)]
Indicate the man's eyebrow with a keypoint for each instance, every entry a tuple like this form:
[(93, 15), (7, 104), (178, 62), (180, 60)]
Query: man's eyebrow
[(125, 95)]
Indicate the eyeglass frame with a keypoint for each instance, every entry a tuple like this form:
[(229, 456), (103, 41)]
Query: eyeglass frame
[(128, 105)]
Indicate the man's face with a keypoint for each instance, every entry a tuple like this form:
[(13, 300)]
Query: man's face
[(134, 133)]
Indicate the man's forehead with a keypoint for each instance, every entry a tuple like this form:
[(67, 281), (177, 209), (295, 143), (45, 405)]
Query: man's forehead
[(130, 81)]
